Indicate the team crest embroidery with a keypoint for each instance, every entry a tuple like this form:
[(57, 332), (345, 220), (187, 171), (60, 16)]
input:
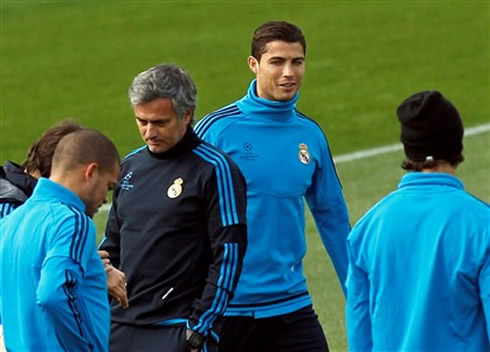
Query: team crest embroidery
[(175, 189), (304, 154)]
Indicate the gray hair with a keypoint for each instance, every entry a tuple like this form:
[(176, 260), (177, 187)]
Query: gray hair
[(165, 81)]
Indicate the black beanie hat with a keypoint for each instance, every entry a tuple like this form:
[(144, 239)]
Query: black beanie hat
[(431, 128)]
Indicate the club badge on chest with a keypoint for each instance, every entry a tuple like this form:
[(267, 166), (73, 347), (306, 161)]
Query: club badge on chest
[(304, 154), (176, 188)]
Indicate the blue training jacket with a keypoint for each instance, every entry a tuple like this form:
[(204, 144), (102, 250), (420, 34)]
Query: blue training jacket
[(419, 273), (285, 158), (53, 284)]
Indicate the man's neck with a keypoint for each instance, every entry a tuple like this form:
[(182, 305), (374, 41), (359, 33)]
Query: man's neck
[(443, 167)]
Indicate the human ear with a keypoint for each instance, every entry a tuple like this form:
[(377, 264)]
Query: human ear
[(188, 116), (90, 170), (253, 64)]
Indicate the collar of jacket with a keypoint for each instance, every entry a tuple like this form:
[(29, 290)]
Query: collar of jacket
[(430, 179), (49, 190), (13, 173), (186, 144), (279, 111)]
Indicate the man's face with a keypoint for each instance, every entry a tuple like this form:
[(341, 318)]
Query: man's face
[(280, 70), (159, 125), (100, 184)]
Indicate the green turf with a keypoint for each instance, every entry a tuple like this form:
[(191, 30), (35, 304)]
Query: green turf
[(76, 59)]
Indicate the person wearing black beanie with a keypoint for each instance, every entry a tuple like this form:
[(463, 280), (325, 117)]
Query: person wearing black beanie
[(431, 130), (419, 263)]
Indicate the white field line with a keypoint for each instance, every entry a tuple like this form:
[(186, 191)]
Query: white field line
[(366, 153)]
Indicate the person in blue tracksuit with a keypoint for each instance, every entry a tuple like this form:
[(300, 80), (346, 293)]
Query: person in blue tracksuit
[(17, 183), (52, 281), (419, 273), (177, 225), (285, 158)]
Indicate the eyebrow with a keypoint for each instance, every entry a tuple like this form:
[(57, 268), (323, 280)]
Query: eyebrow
[(163, 119), (285, 58)]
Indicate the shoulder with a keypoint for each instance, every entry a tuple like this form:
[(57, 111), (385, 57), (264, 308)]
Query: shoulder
[(474, 207), (211, 154), (310, 123), (133, 154), (217, 120), (376, 211)]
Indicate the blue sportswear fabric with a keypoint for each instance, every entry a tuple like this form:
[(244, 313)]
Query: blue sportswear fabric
[(285, 159), (419, 273), (53, 284)]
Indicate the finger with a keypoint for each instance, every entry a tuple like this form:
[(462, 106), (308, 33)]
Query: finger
[(103, 254)]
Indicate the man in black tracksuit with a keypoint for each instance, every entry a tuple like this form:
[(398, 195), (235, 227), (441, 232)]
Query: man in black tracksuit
[(177, 226)]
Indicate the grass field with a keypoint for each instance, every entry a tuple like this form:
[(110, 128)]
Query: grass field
[(77, 58)]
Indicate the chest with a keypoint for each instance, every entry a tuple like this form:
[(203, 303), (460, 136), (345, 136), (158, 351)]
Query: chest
[(273, 159), (161, 194)]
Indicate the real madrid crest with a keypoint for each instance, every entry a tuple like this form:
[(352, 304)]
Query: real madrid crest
[(304, 154), (175, 189)]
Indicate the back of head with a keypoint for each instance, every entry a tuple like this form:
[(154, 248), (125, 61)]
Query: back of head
[(165, 81), (276, 30), (83, 147), (431, 131), (41, 152)]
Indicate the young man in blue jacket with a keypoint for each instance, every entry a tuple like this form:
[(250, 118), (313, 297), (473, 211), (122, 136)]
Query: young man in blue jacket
[(285, 159), (419, 273), (52, 284)]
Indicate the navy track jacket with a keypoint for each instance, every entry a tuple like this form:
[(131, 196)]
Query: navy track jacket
[(177, 229)]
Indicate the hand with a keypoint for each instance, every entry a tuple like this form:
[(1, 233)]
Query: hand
[(116, 284), (104, 256)]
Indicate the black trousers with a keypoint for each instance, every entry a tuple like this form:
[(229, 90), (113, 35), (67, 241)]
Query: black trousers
[(299, 331), (131, 338)]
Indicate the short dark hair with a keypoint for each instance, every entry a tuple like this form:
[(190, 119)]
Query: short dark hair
[(41, 152), (411, 165), (83, 147), (276, 30)]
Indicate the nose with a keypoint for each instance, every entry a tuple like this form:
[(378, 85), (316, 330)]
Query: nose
[(288, 70), (150, 130)]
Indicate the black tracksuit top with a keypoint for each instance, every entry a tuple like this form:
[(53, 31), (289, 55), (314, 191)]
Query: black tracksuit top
[(177, 229)]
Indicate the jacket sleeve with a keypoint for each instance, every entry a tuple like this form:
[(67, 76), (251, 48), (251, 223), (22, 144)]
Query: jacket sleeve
[(62, 271), (226, 208), (327, 205), (111, 240), (357, 312)]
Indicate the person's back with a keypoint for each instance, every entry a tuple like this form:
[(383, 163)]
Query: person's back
[(425, 265), (419, 266)]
